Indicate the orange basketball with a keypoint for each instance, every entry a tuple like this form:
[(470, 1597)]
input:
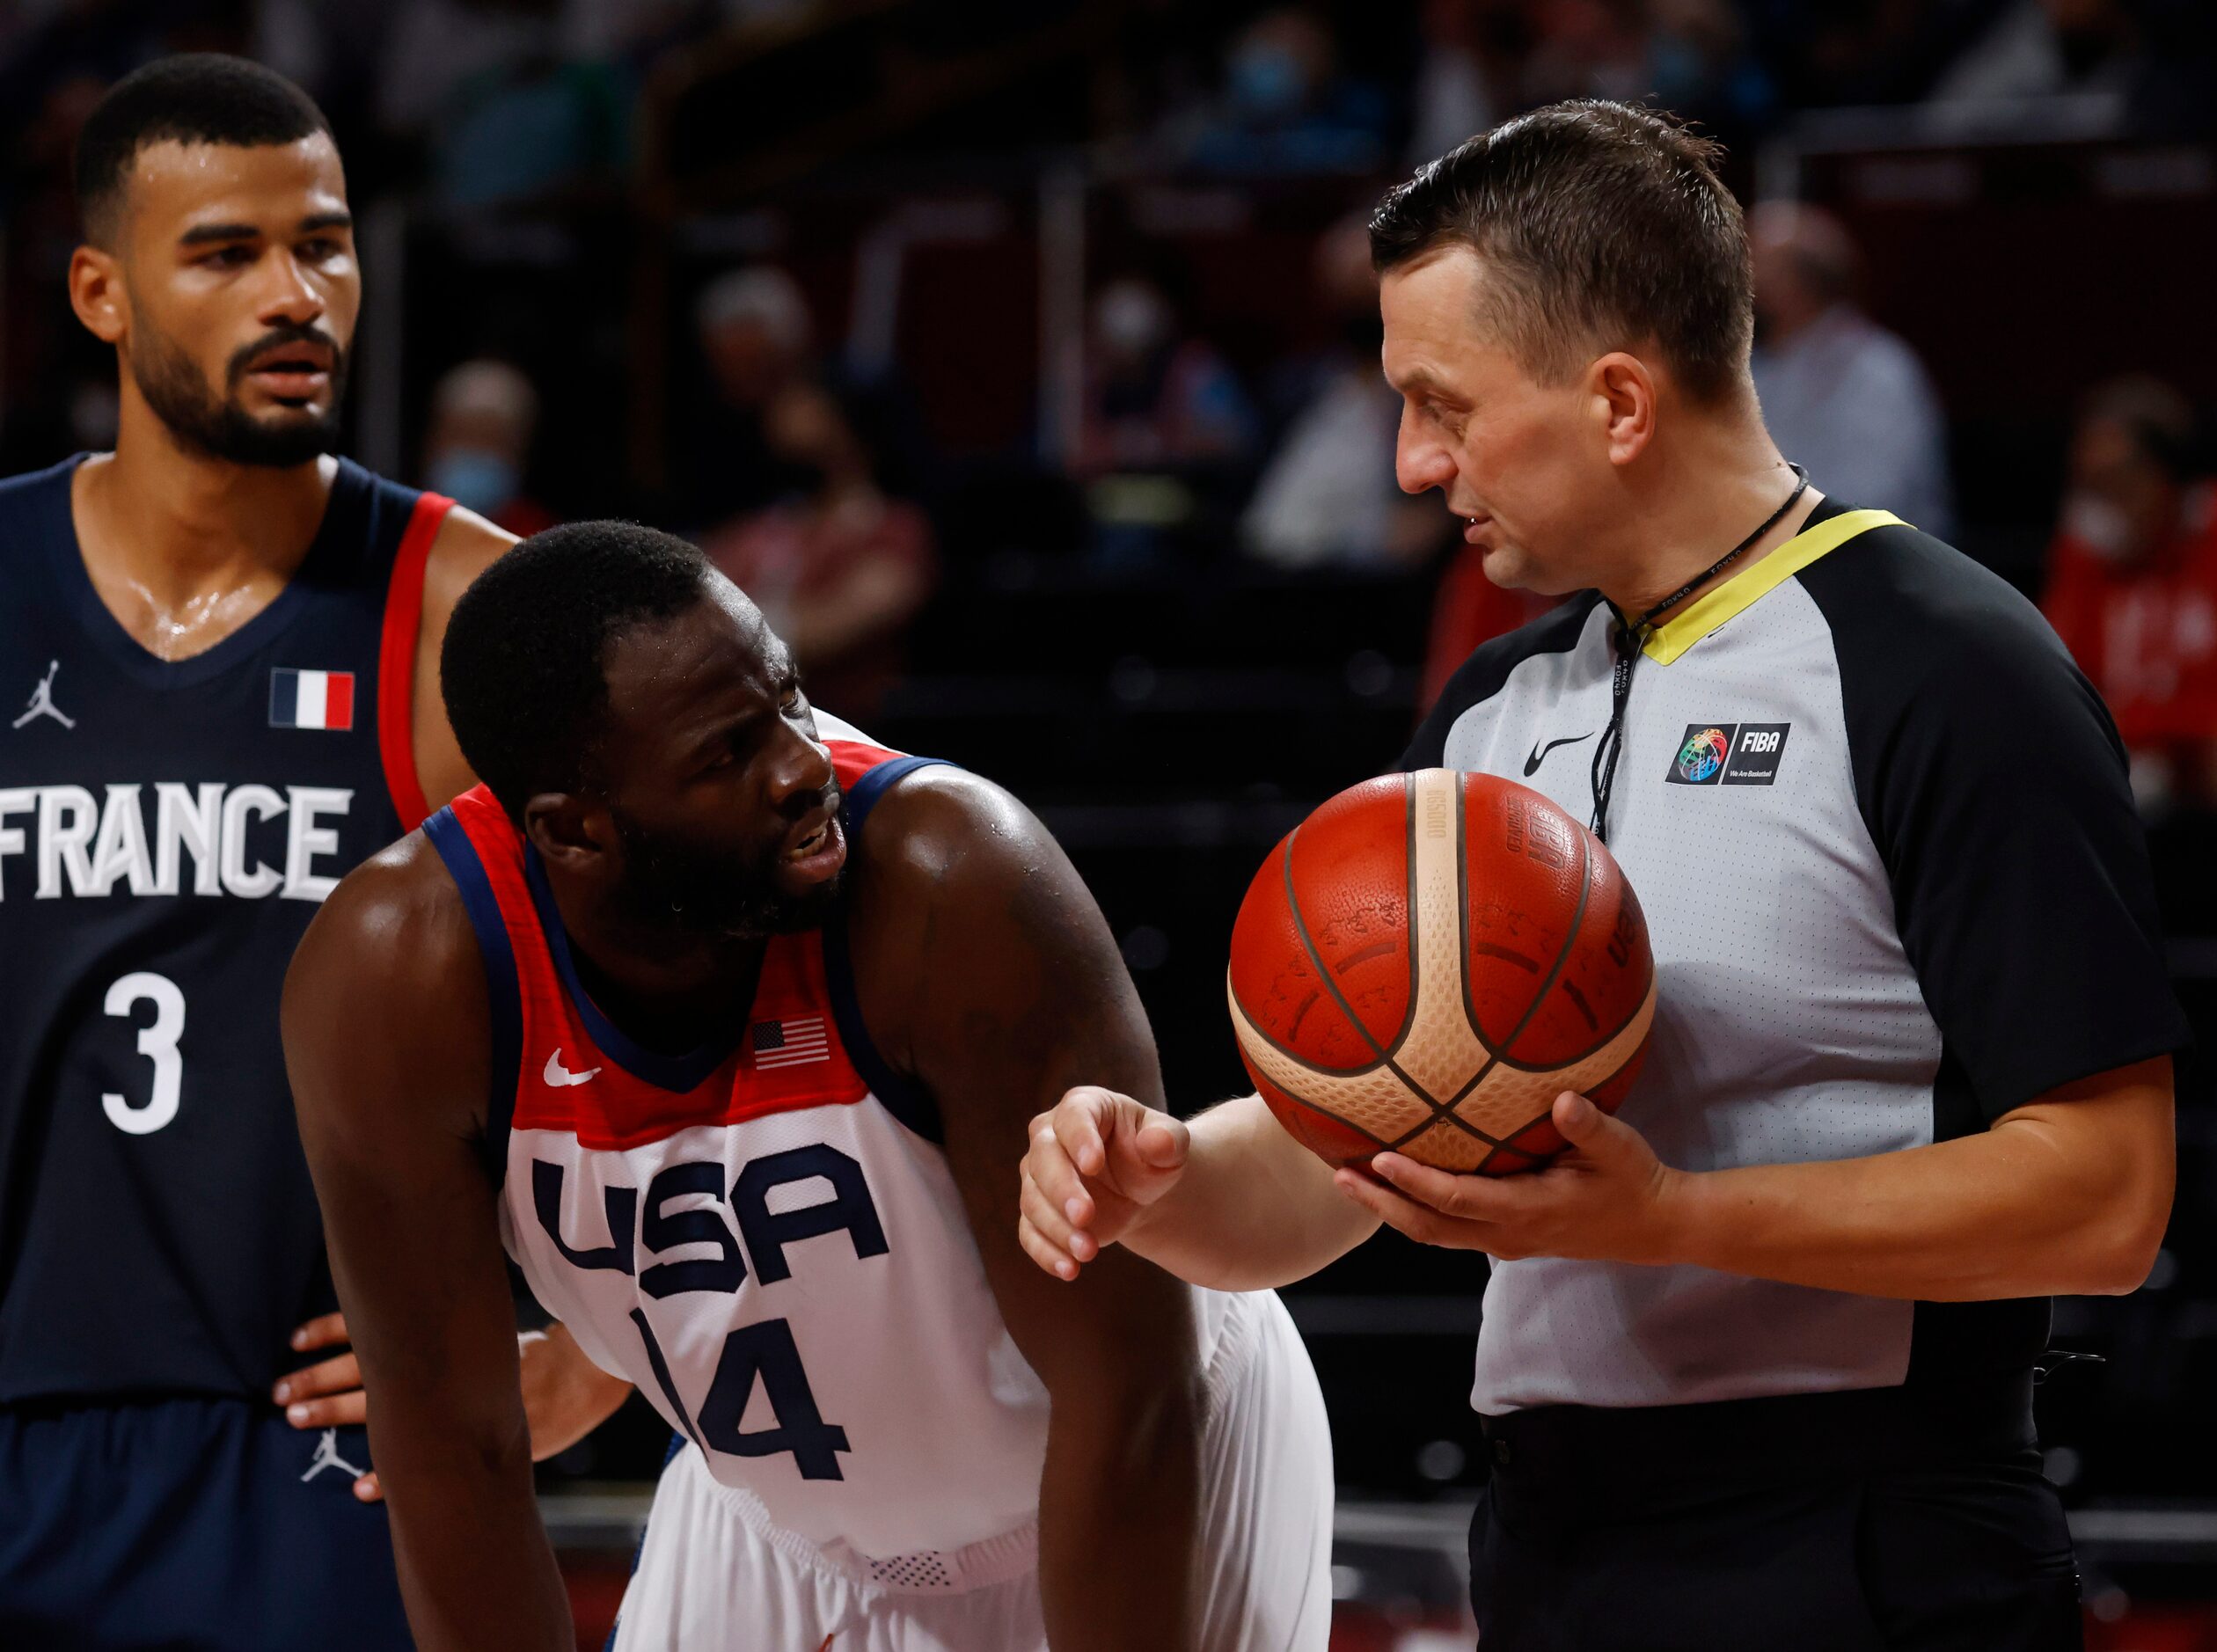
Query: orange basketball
[(1427, 962)]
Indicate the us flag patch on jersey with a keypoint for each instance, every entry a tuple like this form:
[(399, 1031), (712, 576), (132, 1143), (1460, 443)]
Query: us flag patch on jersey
[(310, 699), (793, 1043)]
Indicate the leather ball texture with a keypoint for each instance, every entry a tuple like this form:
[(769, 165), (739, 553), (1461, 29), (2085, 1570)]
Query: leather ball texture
[(1427, 962)]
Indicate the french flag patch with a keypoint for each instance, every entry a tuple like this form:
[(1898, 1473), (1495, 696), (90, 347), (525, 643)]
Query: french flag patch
[(310, 699)]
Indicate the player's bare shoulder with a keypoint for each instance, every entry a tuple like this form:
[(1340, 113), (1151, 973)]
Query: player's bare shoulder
[(972, 931), (466, 545), (942, 823), (946, 859)]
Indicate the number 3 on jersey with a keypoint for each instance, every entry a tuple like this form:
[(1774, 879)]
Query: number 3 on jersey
[(157, 1042)]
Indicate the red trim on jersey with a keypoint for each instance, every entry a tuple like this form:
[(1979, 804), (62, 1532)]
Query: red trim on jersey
[(616, 1110), (397, 660), (851, 759)]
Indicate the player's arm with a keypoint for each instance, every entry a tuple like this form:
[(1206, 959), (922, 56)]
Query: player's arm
[(1229, 1199), (386, 1043), (993, 980), (466, 546)]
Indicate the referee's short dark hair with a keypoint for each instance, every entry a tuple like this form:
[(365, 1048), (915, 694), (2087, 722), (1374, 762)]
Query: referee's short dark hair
[(522, 666), (192, 98), (1603, 227)]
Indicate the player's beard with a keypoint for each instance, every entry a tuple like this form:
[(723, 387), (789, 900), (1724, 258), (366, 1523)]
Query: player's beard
[(216, 425), (712, 892)]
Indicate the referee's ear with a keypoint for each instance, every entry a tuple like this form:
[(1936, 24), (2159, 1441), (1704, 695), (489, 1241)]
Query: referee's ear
[(1623, 400)]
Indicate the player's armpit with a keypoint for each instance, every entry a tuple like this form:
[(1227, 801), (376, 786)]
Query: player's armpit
[(985, 970), (386, 1046)]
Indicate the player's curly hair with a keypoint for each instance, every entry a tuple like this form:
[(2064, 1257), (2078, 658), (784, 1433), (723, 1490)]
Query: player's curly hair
[(1603, 227), (521, 668)]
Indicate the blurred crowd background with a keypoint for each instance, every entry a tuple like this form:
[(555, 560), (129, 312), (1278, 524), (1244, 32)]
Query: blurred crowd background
[(1019, 357)]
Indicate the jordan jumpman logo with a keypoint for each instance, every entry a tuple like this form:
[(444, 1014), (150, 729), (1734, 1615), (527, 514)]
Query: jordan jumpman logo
[(42, 700), (327, 1457)]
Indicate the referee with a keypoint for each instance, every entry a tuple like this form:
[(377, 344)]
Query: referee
[(1757, 1360)]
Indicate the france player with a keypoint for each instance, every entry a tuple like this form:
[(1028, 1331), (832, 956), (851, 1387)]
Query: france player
[(226, 638)]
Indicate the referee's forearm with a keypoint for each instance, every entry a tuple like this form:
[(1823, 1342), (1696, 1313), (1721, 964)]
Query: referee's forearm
[(2063, 1197)]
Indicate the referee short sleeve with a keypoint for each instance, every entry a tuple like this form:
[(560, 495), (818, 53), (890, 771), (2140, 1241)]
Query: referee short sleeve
[(1994, 784)]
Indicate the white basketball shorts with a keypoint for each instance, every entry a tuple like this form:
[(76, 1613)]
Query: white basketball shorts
[(713, 1574)]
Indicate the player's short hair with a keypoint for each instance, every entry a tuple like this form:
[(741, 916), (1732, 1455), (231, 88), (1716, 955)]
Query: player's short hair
[(192, 98), (522, 666), (1603, 227)]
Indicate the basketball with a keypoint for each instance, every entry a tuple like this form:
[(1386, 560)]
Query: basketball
[(1427, 962)]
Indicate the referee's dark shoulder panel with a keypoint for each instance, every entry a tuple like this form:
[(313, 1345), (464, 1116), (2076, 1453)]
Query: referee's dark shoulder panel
[(1994, 784), (1480, 677)]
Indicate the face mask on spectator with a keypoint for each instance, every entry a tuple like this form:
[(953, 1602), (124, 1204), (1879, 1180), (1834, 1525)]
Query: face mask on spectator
[(474, 479), (2101, 527)]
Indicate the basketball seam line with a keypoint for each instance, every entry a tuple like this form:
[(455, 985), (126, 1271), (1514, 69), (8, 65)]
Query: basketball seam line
[(1616, 1073), (1554, 972), (1573, 1059), (1494, 1058), (1300, 928)]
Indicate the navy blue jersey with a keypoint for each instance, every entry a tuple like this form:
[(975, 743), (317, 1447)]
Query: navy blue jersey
[(166, 832)]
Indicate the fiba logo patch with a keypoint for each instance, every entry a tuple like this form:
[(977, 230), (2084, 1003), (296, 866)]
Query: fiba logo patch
[(1728, 754)]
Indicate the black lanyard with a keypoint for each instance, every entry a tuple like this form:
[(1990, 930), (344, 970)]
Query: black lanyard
[(1626, 637)]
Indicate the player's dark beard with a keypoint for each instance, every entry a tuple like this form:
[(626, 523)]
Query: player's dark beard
[(181, 398), (710, 893)]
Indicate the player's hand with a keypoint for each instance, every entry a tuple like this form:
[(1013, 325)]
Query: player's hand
[(1097, 1161), (1609, 1199), (327, 1395), (566, 1396)]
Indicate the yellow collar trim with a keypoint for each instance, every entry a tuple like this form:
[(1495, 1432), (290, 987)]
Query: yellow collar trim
[(1703, 615)]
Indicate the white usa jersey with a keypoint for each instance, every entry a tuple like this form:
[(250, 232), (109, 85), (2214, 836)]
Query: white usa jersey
[(762, 1235)]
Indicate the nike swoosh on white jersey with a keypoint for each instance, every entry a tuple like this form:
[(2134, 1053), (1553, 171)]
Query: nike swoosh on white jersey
[(558, 1075)]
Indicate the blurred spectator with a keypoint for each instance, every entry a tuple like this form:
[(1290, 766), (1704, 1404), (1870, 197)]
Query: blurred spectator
[(1841, 395), (1328, 494), (1700, 66), (1287, 106), (1169, 431), (2132, 583), (483, 414), (2142, 65), (756, 341), (2044, 48), (1154, 397), (1690, 56), (1469, 53), (838, 568), (510, 116)]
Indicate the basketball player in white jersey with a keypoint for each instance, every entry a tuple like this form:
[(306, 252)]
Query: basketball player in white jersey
[(728, 1023)]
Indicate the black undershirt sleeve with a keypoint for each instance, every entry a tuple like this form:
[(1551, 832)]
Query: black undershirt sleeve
[(1994, 784)]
